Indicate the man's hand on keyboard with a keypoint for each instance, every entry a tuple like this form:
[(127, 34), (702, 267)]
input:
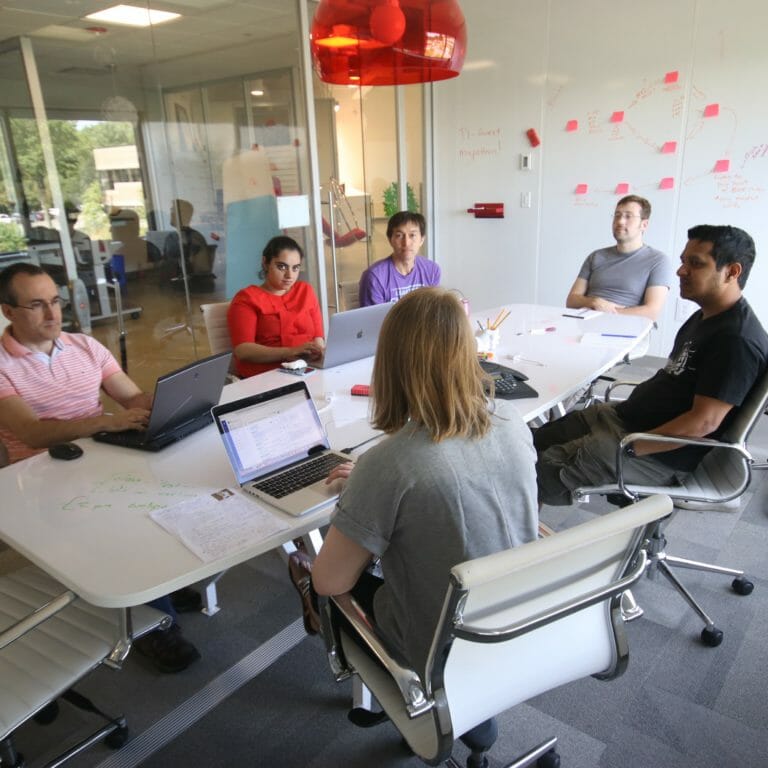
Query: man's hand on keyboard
[(340, 472), (130, 418)]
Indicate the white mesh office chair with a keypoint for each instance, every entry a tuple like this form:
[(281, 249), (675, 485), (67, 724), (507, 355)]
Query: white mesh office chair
[(49, 640), (349, 295), (215, 319), (514, 624), (723, 474)]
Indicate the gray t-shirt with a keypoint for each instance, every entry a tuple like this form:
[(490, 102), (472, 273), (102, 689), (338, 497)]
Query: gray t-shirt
[(623, 277), (423, 507)]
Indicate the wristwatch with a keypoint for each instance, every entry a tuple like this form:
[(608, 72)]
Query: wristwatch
[(630, 451)]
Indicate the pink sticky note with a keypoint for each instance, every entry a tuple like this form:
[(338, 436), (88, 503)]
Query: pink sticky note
[(622, 188), (712, 110), (669, 148), (617, 117), (572, 125), (671, 77), (667, 182), (722, 166), (581, 189)]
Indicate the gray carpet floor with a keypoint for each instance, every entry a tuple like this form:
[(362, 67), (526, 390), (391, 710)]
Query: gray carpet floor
[(679, 703)]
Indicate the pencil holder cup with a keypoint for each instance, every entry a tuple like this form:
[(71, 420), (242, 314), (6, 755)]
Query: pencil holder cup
[(487, 339)]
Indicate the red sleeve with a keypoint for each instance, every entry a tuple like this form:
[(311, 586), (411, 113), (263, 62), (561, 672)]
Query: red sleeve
[(242, 318), (313, 307)]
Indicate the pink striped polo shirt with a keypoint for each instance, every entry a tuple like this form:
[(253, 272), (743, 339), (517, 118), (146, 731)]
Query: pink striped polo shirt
[(63, 386)]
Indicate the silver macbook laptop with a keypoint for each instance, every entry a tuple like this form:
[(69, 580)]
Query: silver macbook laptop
[(353, 335), (181, 405), (278, 448)]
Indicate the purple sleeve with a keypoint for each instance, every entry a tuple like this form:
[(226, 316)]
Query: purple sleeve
[(371, 291), (436, 274)]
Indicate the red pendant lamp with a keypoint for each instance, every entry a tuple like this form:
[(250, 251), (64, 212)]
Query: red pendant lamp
[(388, 42)]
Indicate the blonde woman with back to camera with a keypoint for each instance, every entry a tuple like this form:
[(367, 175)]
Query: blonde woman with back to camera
[(451, 481)]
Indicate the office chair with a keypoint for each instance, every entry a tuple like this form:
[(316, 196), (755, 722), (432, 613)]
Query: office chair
[(349, 295), (723, 474), (215, 319), (514, 625), (49, 640)]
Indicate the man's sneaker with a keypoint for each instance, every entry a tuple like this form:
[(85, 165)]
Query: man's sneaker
[(187, 600), (705, 506), (167, 649)]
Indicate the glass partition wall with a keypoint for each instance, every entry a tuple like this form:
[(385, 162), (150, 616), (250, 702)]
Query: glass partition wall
[(370, 139), (145, 167)]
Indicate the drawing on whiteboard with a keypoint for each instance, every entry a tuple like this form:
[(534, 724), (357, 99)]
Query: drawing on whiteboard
[(711, 128), (479, 143)]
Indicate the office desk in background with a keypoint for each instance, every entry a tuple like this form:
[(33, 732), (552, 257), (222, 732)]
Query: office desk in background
[(87, 522)]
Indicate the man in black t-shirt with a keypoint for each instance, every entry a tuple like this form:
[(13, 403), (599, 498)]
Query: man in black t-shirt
[(718, 356)]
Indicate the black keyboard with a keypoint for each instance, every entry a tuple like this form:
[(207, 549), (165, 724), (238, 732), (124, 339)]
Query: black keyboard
[(136, 438), (301, 476)]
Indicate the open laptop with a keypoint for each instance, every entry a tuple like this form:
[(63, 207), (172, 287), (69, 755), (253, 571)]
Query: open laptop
[(353, 335), (278, 448), (181, 406)]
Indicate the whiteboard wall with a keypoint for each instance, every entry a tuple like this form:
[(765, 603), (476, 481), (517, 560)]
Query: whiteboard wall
[(661, 99)]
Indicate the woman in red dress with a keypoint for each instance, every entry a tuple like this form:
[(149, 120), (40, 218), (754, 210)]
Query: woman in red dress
[(280, 319)]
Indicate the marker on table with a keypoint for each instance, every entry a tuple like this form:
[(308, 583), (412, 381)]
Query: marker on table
[(620, 335)]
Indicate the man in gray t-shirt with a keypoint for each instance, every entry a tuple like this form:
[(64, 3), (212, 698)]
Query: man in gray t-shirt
[(629, 278)]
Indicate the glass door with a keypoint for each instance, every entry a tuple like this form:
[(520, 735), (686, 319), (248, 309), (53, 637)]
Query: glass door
[(370, 153)]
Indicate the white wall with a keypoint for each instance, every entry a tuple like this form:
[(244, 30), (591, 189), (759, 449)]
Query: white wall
[(538, 65)]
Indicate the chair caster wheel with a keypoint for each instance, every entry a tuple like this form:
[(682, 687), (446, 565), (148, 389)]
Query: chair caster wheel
[(712, 637), (549, 760), (47, 714), (117, 738), (742, 586)]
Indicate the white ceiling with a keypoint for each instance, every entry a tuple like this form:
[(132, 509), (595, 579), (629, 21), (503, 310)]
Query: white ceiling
[(61, 43)]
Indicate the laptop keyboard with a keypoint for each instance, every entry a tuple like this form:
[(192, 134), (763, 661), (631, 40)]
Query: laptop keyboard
[(134, 438), (301, 476)]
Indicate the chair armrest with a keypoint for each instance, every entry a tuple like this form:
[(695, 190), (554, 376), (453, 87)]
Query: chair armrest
[(615, 385), (406, 679), (632, 437), (501, 634), (37, 617)]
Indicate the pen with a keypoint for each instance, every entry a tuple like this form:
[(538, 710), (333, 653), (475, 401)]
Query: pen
[(575, 317), (620, 335)]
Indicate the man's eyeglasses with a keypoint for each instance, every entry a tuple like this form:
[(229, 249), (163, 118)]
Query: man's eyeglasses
[(625, 216), (39, 305)]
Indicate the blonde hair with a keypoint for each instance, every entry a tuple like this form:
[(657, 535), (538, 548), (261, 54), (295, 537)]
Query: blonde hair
[(426, 369)]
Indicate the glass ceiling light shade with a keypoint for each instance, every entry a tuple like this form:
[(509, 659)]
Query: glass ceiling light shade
[(388, 42)]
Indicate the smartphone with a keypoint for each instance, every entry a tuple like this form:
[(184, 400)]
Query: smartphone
[(298, 371)]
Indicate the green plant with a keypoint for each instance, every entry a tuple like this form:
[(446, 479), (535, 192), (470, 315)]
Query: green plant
[(11, 238), (392, 199)]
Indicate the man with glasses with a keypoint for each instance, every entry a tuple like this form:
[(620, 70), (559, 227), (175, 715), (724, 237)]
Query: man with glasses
[(50, 382), (629, 278)]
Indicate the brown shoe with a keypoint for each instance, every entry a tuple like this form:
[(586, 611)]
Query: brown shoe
[(299, 570)]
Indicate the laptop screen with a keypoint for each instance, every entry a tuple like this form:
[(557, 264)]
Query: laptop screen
[(270, 431)]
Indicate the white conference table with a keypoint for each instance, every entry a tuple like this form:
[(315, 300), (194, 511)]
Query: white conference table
[(86, 522)]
